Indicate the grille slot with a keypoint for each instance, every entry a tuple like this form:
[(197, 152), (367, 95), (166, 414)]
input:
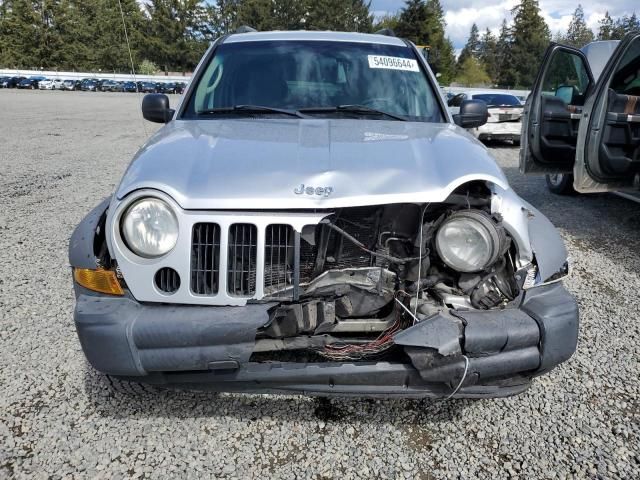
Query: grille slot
[(205, 258), (243, 248), (278, 258), (167, 280)]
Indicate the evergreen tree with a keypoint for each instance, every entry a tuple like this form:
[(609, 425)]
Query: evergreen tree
[(472, 47), (506, 74), (605, 29), (578, 34), (347, 15), (20, 35), (412, 23), (488, 54), (471, 73), (625, 25), (530, 38), (387, 21)]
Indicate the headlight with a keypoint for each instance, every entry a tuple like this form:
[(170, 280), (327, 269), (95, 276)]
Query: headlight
[(150, 228), (468, 241)]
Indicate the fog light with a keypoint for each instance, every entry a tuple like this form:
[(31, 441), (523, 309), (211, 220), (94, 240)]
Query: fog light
[(103, 281)]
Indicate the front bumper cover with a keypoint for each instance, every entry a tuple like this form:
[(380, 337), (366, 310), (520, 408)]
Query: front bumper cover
[(210, 348)]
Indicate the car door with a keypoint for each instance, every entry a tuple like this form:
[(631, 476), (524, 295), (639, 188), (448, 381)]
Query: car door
[(553, 110), (608, 153)]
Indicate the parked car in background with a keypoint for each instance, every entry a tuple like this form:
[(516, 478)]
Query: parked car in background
[(147, 87), (71, 85), (129, 87), (395, 260), (111, 86), (582, 119), (505, 115), (89, 85), (10, 82), (51, 84), (30, 83)]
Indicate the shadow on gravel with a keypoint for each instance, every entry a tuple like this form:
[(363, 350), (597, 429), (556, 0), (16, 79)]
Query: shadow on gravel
[(254, 407)]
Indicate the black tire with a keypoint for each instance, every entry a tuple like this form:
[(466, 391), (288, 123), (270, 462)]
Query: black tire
[(560, 183), (130, 388)]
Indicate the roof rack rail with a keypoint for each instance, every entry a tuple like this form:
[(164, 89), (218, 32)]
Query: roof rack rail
[(388, 32), (245, 29)]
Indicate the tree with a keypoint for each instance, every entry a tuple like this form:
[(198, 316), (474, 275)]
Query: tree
[(472, 74), (472, 47), (488, 54), (178, 33), (530, 38), (605, 29), (348, 15), (387, 21), (578, 34), (20, 35), (412, 23), (625, 25), (506, 74)]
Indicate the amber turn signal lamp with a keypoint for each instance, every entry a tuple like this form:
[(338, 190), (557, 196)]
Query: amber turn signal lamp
[(103, 281)]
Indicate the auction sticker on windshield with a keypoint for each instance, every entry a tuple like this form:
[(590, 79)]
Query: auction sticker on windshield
[(393, 63)]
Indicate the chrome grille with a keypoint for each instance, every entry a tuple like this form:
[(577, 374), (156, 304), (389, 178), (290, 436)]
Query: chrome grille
[(205, 258), (278, 258), (242, 252)]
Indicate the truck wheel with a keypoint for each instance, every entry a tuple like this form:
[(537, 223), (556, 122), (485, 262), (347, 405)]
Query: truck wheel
[(560, 183), (129, 388)]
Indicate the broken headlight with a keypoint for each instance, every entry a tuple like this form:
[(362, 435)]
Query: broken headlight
[(469, 241)]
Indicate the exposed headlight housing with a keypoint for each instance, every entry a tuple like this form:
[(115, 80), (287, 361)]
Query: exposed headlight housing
[(469, 241), (150, 227)]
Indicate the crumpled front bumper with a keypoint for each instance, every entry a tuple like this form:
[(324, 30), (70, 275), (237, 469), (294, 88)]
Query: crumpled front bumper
[(210, 348)]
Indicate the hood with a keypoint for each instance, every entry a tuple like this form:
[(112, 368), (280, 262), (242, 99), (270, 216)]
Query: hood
[(272, 163)]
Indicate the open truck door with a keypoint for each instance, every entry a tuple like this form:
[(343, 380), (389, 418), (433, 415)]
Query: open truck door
[(553, 111), (608, 147)]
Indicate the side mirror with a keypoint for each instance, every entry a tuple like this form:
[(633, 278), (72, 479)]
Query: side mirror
[(155, 108), (473, 114)]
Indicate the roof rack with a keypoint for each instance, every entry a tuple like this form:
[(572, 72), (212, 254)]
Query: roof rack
[(245, 29), (387, 32)]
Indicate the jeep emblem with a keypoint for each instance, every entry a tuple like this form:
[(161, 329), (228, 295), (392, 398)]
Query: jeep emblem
[(309, 190)]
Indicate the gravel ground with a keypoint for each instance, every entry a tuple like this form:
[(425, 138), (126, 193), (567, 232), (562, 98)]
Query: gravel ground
[(62, 152)]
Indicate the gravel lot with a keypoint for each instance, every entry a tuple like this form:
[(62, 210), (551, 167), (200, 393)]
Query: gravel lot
[(62, 152)]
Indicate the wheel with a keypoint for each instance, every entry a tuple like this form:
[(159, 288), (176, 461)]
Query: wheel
[(560, 183), (129, 388)]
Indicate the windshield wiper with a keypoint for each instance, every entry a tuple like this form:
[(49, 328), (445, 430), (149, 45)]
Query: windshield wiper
[(251, 109), (361, 109)]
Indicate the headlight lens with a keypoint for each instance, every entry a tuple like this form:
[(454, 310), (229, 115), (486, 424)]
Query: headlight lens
[(468, 241), (150, 228)]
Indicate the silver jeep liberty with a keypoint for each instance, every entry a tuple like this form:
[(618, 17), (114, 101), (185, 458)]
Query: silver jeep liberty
[(311, 219)]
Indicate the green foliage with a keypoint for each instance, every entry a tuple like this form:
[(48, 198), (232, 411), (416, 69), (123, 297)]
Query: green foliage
[(147, 67), (605, 29), (578, 34), (529, 39), (488, 54), (423, 23), (471, 73), (472, 47), (387, 21)]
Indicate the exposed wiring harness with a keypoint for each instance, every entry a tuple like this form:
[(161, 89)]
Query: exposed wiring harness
[(352, 351)]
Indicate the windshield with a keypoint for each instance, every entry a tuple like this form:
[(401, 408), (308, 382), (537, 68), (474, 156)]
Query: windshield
[(315, 75), (498, 100)]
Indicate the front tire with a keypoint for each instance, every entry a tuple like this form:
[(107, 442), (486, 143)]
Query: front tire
[(560, 183)]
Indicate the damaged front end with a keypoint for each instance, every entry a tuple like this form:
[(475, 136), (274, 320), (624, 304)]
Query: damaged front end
[(436, 285), (458, 297)]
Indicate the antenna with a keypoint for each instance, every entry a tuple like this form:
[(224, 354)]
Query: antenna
[(133, 69)]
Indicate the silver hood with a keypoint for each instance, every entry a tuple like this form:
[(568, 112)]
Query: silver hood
[(259, 163)]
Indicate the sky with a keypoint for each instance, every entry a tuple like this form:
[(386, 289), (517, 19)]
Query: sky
[(460, 14)]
